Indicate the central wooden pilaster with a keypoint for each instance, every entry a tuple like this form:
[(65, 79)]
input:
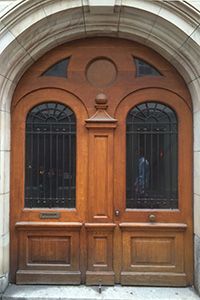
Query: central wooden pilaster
[(100, 188), (100, 195)]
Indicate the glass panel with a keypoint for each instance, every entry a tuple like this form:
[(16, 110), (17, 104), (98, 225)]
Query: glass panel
[(152, 157), (59, 69), (144, 69), (50, 176)]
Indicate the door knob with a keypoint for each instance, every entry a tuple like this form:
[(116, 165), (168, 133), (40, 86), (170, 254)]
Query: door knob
[(152, 218), (117, 212)]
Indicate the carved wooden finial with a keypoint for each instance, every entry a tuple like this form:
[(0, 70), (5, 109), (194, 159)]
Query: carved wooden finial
[(101, 115), (101, 99)]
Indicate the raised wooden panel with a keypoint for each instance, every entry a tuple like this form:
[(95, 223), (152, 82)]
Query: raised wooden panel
[(100, 250), (100, 254), (101, 175), (45, 250), (59, 250), (156, 251), (152, 251)]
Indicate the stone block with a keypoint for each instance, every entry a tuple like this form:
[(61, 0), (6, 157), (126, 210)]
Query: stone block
[(4, 254), (4, 131), (197, 263), (3, 283), (197, 215), (4, 172), (4, 214), (196, 131), (197, 172), (6, 93)]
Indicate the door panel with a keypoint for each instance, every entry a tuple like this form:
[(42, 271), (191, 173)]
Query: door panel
[(155, 247), (100, 254), (47, 255), (101, 238), (49, 239), (154, 254)]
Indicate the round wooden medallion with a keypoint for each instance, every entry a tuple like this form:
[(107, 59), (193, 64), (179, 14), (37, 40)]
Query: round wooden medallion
[(101, 73)]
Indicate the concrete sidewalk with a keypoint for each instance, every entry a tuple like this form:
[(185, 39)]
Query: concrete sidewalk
[(44, 292)]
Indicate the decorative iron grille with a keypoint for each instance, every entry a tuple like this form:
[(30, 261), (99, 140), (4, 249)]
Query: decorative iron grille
[(152, 157), (50, 175)]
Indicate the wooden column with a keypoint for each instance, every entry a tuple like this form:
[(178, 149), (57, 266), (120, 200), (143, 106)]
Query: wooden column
[(100, 195)]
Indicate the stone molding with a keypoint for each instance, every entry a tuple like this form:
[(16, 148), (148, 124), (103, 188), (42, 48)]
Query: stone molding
[(30, 28), (34, 27)]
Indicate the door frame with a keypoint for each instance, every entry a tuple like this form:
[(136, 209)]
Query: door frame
[(77, 89)]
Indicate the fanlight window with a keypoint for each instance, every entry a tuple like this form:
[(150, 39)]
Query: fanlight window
[(144, 69), (152, 157), (58, 70), (50, 175)]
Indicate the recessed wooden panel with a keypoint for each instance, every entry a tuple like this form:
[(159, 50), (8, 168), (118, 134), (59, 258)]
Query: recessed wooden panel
[(100, 250), (101, 175), (100, 188), (47, 249), (152, 251), (101, 72)]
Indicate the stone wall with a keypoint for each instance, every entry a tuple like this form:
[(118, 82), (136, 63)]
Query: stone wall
[(30, 28)]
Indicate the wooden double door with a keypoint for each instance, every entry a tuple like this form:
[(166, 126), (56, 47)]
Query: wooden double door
[(101, 168)]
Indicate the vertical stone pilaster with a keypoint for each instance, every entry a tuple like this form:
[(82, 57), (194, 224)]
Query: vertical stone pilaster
[(4, 197)]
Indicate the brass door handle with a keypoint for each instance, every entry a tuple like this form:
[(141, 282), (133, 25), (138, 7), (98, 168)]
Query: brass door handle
[(152, 218)]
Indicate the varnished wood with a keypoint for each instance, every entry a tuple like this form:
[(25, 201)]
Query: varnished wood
[(106, 277), (48, 277), (153, 226), (153, 279), (99, 244)]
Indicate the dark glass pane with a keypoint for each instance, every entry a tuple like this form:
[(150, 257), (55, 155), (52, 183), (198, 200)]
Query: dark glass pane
[(59, 69), (50, 176), (144, 69), (152, 157)]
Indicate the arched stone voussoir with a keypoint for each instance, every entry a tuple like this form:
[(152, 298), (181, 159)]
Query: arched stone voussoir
[(31, 28)]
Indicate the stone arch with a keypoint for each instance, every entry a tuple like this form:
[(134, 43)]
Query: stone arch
[(29, 29)]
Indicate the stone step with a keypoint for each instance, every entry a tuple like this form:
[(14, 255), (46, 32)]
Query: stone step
[(82, 292)]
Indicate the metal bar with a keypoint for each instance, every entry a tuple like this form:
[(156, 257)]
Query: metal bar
[(132, 161), (31, 176), (44, 159), (50, 165), (158, 162), (38, 165), (63, 162), (170, 166), (152, 167), (57, 162), (70, 163)]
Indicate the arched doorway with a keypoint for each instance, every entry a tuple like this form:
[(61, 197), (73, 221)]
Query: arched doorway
[(99, 222)]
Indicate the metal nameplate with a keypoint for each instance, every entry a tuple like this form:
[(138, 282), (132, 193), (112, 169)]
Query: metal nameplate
[(49, 215)]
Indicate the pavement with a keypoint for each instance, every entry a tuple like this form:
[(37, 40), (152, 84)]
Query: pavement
[(82, 292)]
